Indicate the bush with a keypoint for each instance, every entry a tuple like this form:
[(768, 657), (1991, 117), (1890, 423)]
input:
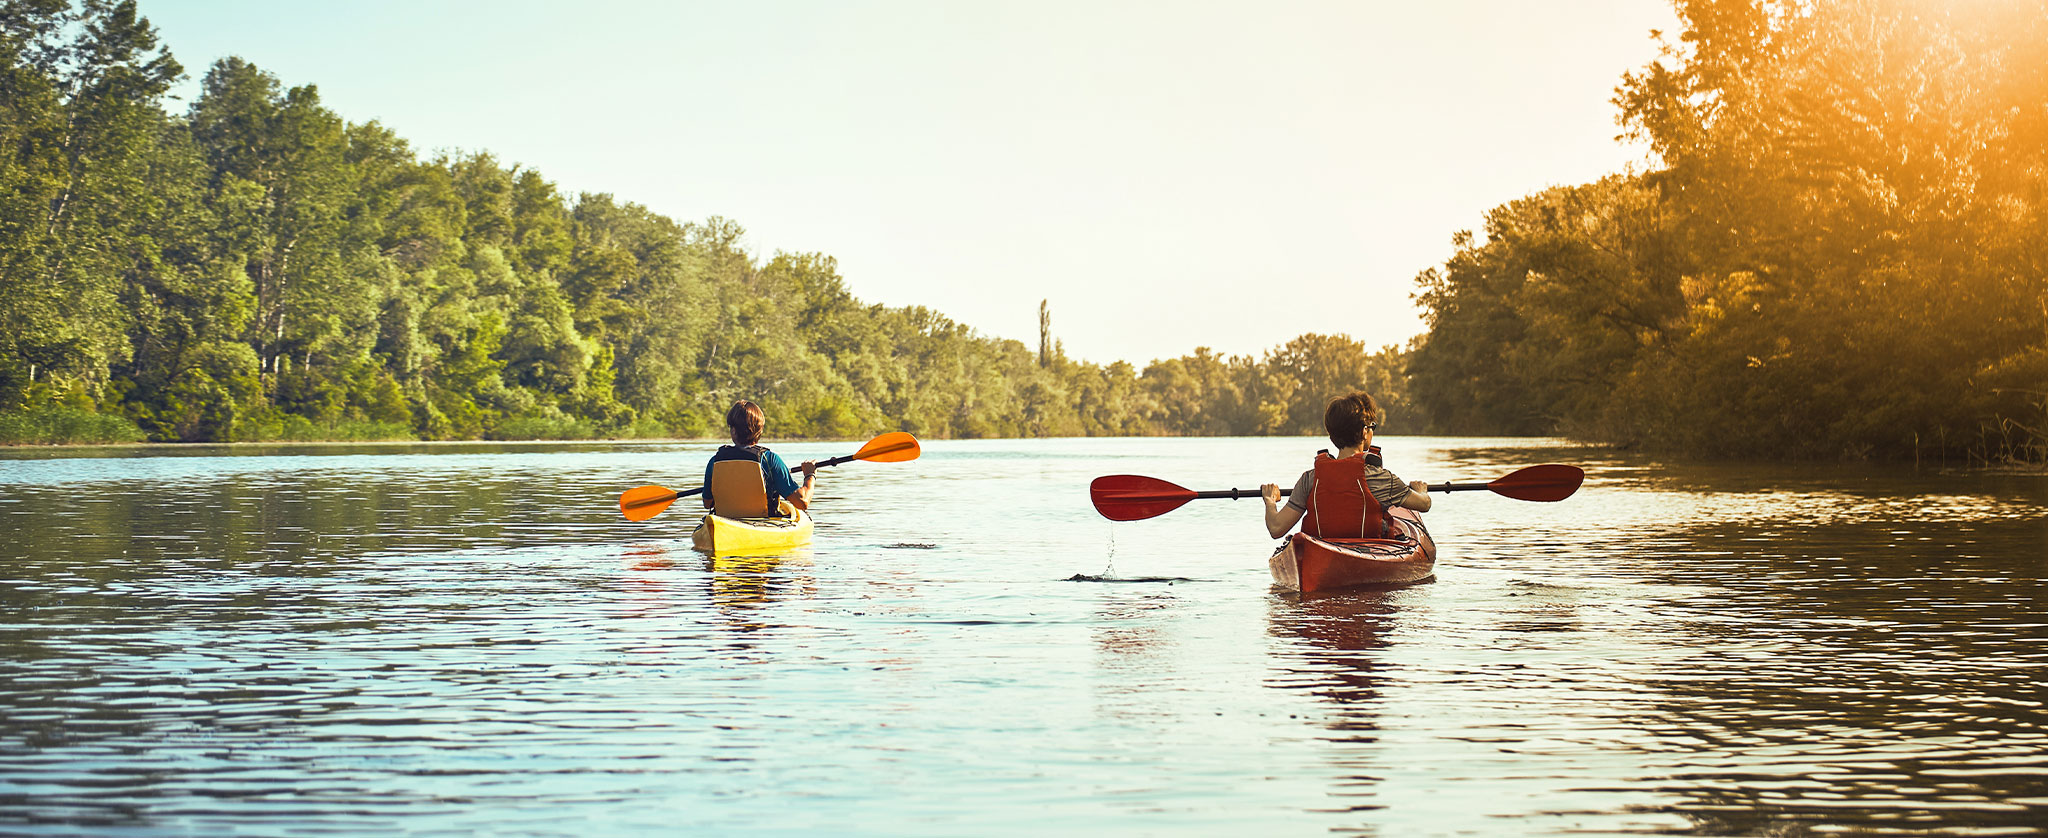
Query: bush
[(646, 427), (366, 430), (272, 425), (547, 424), (61, 425)]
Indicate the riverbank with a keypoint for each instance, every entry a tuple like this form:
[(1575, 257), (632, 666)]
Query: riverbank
[(329, 443), (65, 427), (2007, 469)]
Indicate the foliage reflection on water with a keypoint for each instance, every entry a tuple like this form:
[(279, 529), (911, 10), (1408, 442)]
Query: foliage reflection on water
[(469, 638)]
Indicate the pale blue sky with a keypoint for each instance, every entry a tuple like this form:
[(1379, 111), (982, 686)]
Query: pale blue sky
[(1169, 175)]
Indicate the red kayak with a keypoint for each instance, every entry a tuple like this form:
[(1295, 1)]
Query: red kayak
[(1307, 564)]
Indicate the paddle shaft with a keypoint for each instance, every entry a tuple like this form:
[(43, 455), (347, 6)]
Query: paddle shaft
[(1135, 497), (1459, 487), (1234, 494), (643, 502), (700, 489), (792, 470)]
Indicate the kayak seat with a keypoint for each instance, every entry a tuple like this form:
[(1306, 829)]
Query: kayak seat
[(738, 490)]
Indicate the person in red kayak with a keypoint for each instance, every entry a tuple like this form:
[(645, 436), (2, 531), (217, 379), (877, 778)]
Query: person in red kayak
[(746, 480), (1347, 495)]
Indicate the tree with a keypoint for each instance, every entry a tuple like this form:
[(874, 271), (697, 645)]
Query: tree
[(80, 122)]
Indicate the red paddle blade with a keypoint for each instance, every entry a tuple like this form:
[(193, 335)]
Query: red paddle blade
[(892, 447), (1130, 497), (644, 502), (1540, 483)]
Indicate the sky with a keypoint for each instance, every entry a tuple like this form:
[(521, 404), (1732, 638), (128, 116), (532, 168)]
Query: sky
[(1166, 175)]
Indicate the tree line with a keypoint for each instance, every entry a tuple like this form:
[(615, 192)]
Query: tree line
[(259, 268), (1843, 249)]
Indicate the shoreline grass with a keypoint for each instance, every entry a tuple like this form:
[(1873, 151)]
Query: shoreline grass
[(61, 425)]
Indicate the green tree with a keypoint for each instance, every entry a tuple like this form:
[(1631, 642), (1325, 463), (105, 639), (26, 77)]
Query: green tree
[(79, 119)]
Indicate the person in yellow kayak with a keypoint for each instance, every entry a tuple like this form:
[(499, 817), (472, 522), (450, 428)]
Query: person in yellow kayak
[(1347, 495), (746, 480)]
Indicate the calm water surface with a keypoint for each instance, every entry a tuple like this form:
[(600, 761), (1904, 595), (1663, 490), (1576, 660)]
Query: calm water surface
[(469, 638)]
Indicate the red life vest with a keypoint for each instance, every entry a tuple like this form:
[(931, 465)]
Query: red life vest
[(1342, 506)]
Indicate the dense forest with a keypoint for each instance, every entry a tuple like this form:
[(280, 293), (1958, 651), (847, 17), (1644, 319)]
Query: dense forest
[(1842, 250), (259, 268)]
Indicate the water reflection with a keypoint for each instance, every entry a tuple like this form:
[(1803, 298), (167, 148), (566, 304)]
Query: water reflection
[(1334, 645), (1125, 635), (744, 586), (1855, 683), (470, 640), (1342, 633), (1789, 672), (741, 590)]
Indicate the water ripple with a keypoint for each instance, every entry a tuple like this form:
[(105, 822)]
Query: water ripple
[(469, 639)]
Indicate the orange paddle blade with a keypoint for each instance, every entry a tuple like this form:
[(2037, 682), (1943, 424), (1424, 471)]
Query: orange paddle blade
[(892, 447), (1540, 483), (644, 502)]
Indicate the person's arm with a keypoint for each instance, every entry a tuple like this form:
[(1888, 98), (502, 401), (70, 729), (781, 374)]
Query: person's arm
[(1279, 519), (707, 487), (802, 498), (1417, 497)]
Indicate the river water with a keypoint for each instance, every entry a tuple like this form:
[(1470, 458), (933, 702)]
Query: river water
[(469, 638)]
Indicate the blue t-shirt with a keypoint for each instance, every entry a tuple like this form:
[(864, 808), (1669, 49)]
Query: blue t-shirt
[(774, 474)]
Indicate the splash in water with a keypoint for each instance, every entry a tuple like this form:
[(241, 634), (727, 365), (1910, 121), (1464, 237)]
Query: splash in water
[(1109, 569), (1083, 577), (1109, 565)]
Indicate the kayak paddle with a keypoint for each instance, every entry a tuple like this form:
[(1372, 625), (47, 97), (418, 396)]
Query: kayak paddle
[(644, 502), (1130, 497)]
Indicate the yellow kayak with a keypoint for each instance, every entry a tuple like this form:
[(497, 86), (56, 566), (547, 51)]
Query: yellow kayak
[(746, 535)]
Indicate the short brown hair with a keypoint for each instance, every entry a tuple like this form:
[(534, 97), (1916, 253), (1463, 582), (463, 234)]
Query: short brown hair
[(746, 421), (1347, 417)]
